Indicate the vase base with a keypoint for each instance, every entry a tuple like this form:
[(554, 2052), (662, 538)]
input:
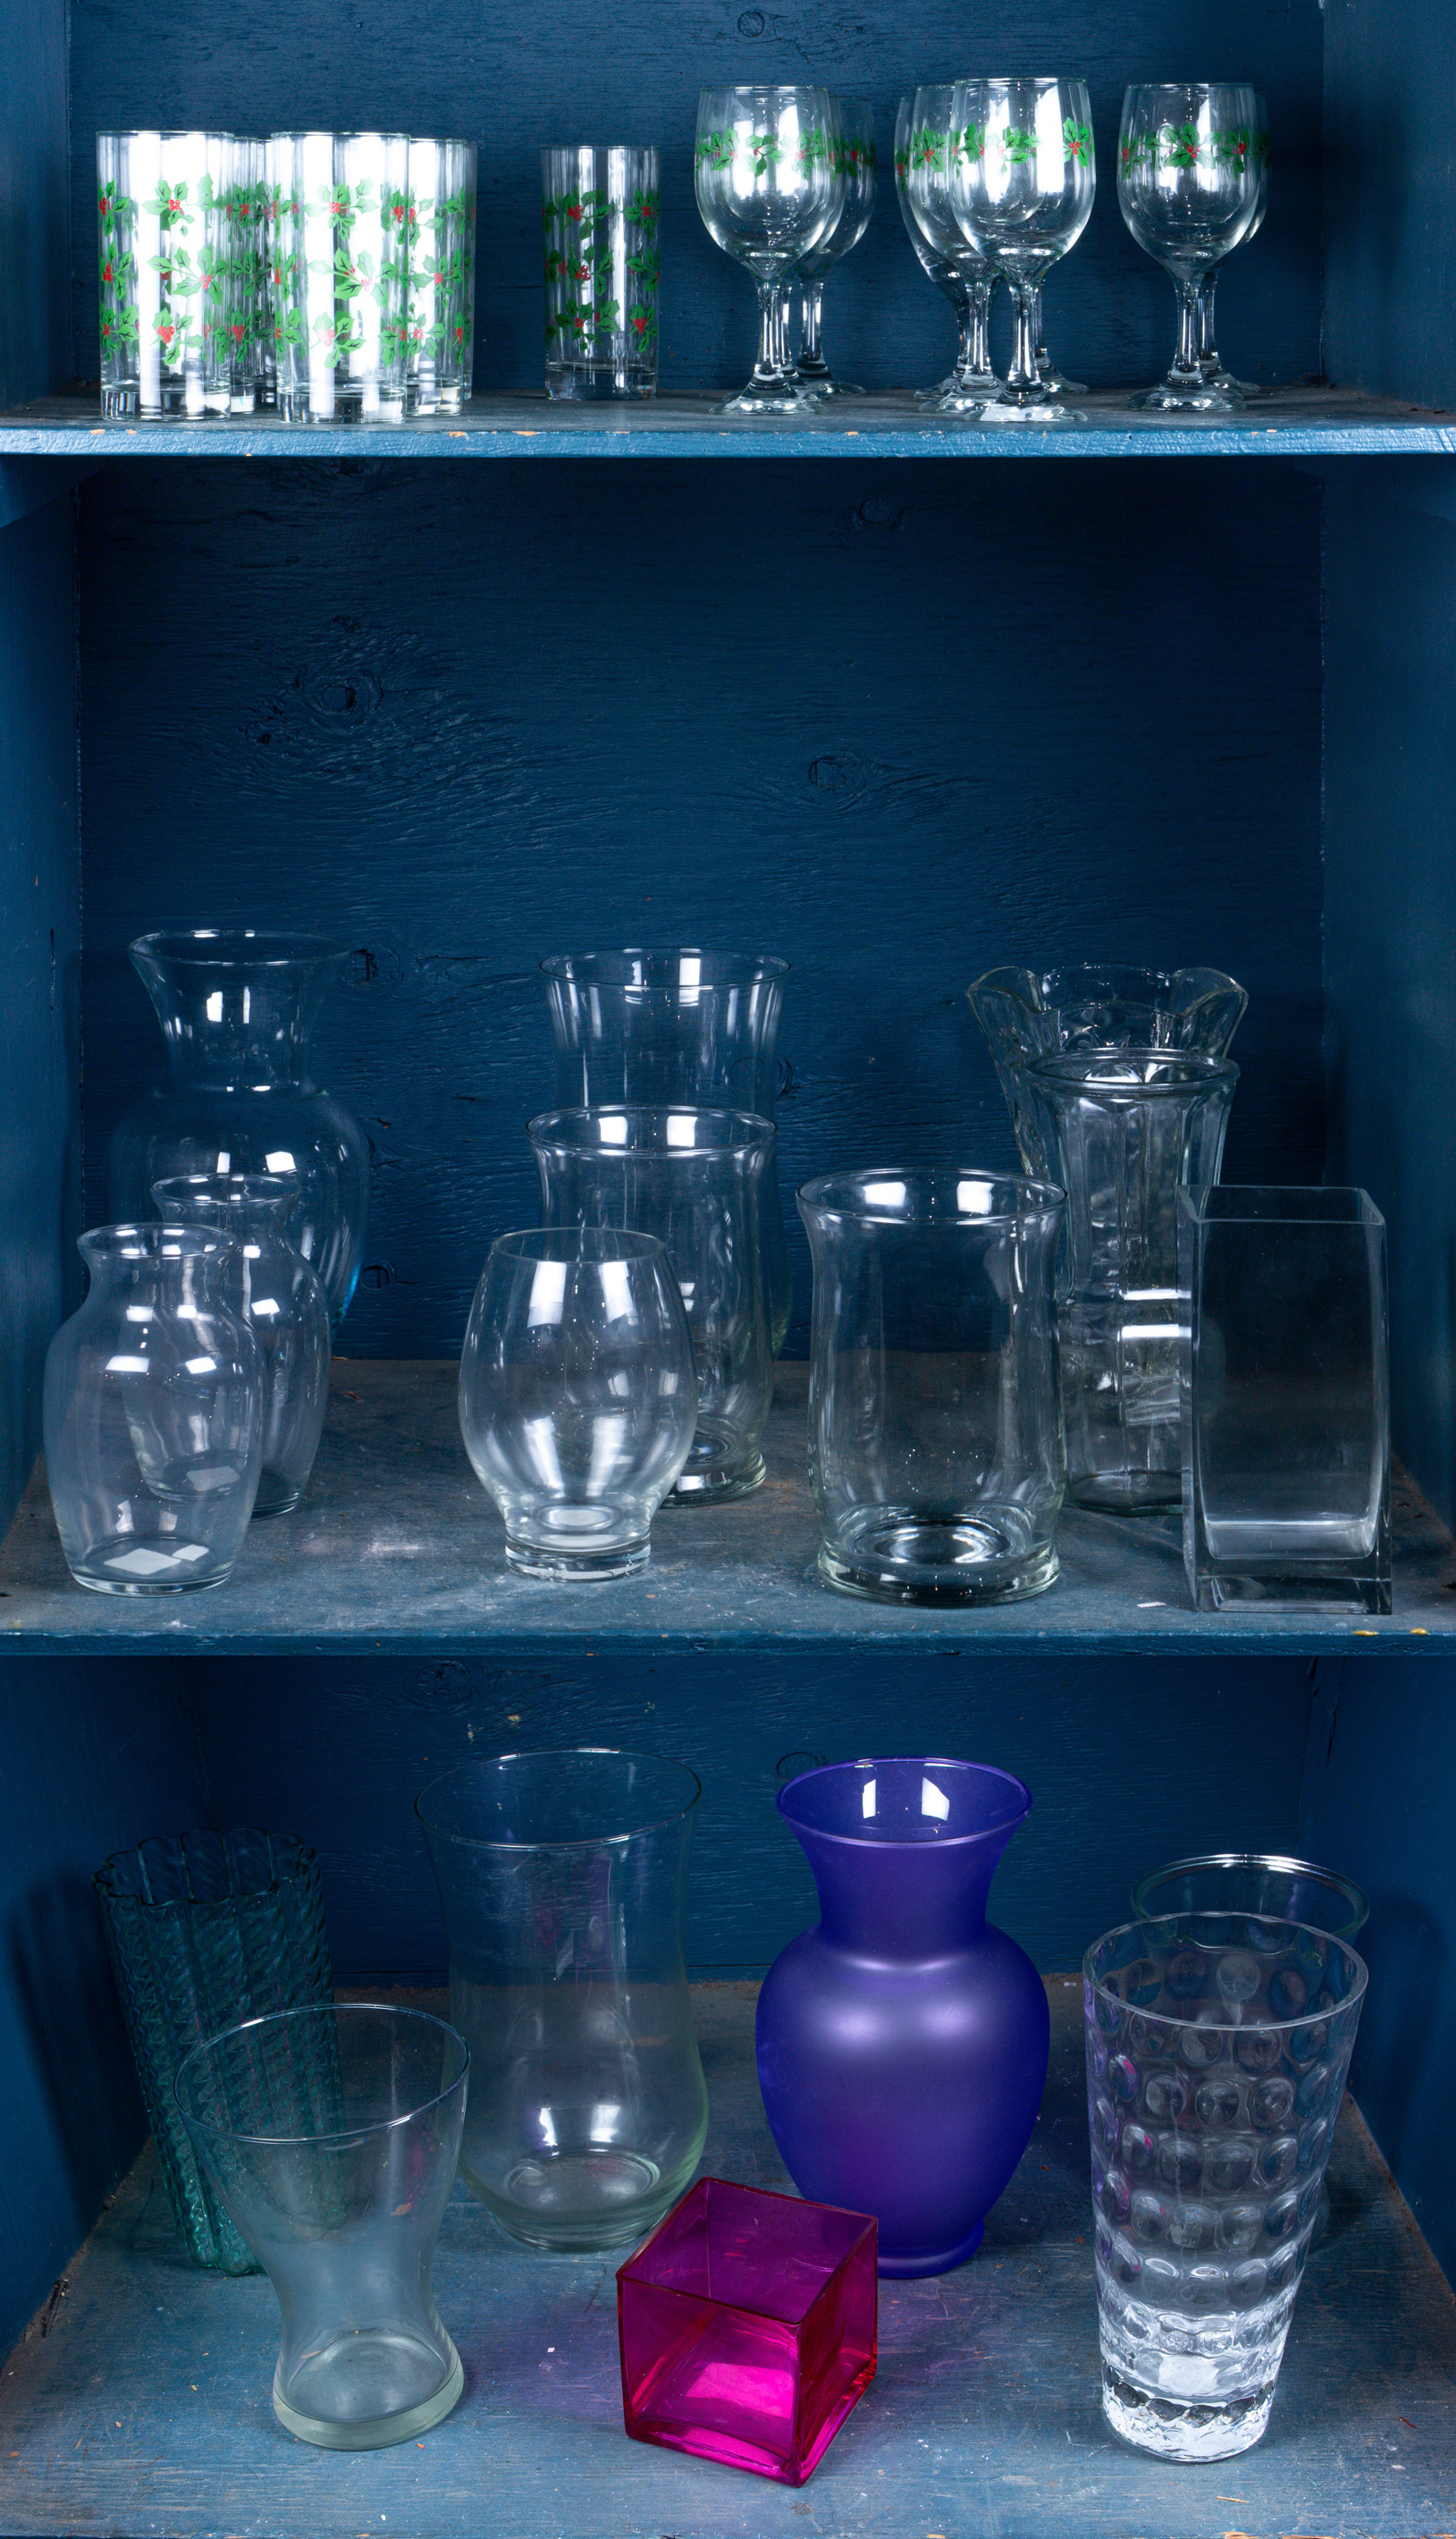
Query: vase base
[(895, 1557), (941, 2262)]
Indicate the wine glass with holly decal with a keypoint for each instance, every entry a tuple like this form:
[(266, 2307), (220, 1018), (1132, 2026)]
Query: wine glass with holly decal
[(1208, 351), (938, 265), (933, 142), (1188, 181), (771, 187), (1021, 185), (854, 144)]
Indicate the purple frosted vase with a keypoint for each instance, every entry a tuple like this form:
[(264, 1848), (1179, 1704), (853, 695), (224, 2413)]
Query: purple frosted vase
[(902, 2045)]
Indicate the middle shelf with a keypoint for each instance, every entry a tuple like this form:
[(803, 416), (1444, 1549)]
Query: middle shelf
[(396, 1549)]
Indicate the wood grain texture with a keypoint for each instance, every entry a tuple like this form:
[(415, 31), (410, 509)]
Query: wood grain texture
[(1130, 1762), (513, 77), (35, 202), (90, 1759), (146, 2412), (1295, 422), (1390, 158), (892, 722), (396, 1547)]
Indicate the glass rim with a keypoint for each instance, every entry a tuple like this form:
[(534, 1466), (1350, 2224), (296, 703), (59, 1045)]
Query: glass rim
[(771, 2194), (437, 141), (210, 948), (478, 1763), (1284, 1864), (1199, 88), (1367, 1213), (1033, 1197), (745, 1133), (228, 1190), (919, 1762), (589, 1243), (573, 965), (1007, 977), (1177, 1069), (1174, 1924), (334, 2010), (143, 1239), (304, 1855), (766, 88), (606, 149)]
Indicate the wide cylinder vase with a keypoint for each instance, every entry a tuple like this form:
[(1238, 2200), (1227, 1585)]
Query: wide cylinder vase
[(678, 1025), (935, 1431), (562, 1877), (902, 2044), (238, 1014), (1085, 1006), (1128, 1130)]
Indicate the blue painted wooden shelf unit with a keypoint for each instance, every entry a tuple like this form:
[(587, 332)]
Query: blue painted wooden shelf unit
[(898, 718)]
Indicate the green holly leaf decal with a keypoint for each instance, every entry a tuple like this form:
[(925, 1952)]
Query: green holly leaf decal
[(1077, 141), (1018, 147)]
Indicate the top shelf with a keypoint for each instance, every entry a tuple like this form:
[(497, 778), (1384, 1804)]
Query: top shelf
[(1298, 423)]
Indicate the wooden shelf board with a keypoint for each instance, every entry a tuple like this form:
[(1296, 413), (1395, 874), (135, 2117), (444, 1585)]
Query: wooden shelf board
[(396, 1549), (1305, 422), (145, 2412)]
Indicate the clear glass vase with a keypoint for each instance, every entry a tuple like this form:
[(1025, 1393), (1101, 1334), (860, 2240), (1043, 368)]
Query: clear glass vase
[(1126, 1129), (562, 1879), (331, 2136), (1026, 1014), (283, 1302), (152, 1415), (237, 1012), (695, 1179), (680, 1025), (204, 1929)]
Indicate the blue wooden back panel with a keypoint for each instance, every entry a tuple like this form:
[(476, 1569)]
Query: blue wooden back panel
[(512, 77), (1390, 158), (35, 202), (892, 723)]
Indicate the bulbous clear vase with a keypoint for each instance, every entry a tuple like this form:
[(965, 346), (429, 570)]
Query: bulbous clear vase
[(238, 1014)]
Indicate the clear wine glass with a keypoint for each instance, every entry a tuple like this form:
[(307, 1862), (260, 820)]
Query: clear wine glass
[(942, 271), (1022, 186), (932, 141), (1188, 182), (1208, 351), (769, 188), (854, 145)]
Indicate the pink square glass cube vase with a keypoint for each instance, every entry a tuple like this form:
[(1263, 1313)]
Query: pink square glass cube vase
[(748, 2325)]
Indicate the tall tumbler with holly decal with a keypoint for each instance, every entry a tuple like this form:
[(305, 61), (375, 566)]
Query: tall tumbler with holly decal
[(340, 262), (599, 212), (165, 272), (440, 238)]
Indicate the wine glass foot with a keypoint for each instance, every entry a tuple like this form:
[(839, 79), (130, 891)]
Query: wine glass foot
[(1056, 385), (1174, 395), (822, 384), (1043, 411), (782, 399), (1225, 382)]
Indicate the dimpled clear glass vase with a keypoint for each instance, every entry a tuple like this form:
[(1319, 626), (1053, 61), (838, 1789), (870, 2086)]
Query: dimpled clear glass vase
[(562, 1879), (152, 1415), (237, 1012), (285, 1307), (1217, 2051)]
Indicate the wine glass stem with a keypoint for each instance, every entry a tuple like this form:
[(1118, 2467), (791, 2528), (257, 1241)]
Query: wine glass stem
[(980, 309), (1185, 362), (1208, 350), (768, 370), (1022, 372), (810, 354)]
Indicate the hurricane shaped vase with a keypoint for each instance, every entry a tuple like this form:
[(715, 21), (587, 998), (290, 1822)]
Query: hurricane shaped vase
[(902, 2044), (1026, 1014), (238, 1014), (562, 1877), (682, 1025)]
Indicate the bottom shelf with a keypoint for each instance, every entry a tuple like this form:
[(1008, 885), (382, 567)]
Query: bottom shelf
[(146, 2409)]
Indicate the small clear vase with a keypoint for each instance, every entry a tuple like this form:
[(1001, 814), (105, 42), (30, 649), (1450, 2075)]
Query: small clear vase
[(1126, 1129), (1026, 1014), (152, 1415), (285, 1307), (679, 1025), (237, 1012), (562, 1879)]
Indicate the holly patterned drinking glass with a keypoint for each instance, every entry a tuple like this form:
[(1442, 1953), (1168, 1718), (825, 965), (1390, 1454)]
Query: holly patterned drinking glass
[(341, 262), (1021, 185), (855, 149), (1208, 363), (771, 188), (441, 259), (1189, 183), (599, 212), (245, 314), (930, 147), (165, 272)]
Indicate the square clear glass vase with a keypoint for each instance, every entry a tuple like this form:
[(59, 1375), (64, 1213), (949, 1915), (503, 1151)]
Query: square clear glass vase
[(1284, 1399)]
